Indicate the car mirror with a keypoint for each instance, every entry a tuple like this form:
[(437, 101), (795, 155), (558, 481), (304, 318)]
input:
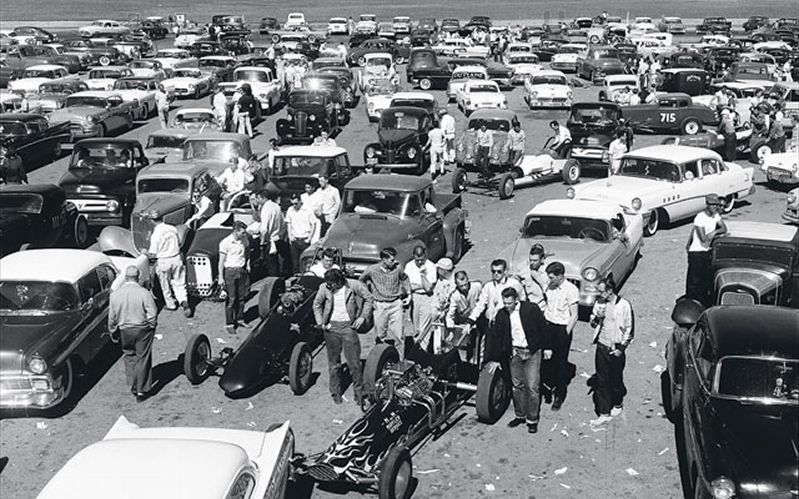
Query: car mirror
[(430, 209)]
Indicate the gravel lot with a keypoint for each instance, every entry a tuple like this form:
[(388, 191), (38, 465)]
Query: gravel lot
[(633, 457)]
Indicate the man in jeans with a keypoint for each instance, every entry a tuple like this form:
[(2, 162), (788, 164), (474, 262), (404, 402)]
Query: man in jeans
[(613, 323), (343, 309), (707, 225), (438, 151), (234, 255), (390, 290), (485, 141), (519, 334), (562, 308), (516, 139), (165, 247), (302, 227)]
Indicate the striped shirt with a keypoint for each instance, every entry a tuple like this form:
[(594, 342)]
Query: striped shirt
[(385, 285)]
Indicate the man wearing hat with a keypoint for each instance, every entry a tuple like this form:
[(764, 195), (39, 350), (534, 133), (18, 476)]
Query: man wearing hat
[(442, 291), (132, 315), (707, 225), (727, 129)]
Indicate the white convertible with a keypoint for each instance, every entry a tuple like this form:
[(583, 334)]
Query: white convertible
[(190, 83), (547, 89), (175, 58), (480, 94), (668, 183), (378, 97), (462, 74), (167, 463), (104, 77)]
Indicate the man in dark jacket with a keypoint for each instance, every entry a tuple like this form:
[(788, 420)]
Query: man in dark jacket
[(516, 342), (342, 309)]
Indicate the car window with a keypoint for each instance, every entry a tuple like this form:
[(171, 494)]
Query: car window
[(414, 206), (704, 356), (89, 286), (691, 170), (106, 275), (709, 167), (764, 378)]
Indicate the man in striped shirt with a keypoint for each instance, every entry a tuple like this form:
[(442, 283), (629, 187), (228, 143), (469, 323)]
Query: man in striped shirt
[(390, 289)]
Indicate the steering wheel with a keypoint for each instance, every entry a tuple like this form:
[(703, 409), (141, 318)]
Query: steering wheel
[(591, 233)]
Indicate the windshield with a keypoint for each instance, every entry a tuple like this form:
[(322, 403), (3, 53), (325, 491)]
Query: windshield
[(381, 202), (21, 203), (426, 58), (631, 82), (759, 378), (381, 87), (220, 150), (212, 63), (606, 54), (101, 156), (101, 74), (37, 296), (53, 88), (188, 73), (317, 83), (571, 227), (595, 115), (302, 166), (165, 141), (650, 168), (199, 118), (490, 123), (378, 61), (524, 59), (484, 88), (548, 80), (40, 73), (398, 120), (139, 64), (130, 85), (12, 129), (251, 75), (420, 103), (306, 99), (176, 185), (569, 50), (85, 100)]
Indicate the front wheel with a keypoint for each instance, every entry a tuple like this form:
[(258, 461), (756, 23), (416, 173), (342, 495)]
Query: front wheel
[(425, 84), (760, 151), (300, 368), (460, 180), (506, 185), (651, 226), (493, 396), (571, 172), (80, 232), (380, 355), (195, 359), (396, 475), (269, 295), (691, 127)]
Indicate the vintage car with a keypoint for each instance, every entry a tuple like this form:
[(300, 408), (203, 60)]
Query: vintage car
[(338, 26), (402, 137), (220, 66), (296, 166), (166, 144), (186, 37), (462, 74), (592, 125), (96, 55), (216, 149), (714, 25), (100, 179), (65, 86), (450, 25), (103, 77), (689, 81), (162, 190), (175, 58), (246, 464), (781, 168), (366, 25), (791, 213), (204, 48), (148, 68), (480, 94), (35, 141), (300, 34), (547, 89), (732, 388), (332, 85), (748, 145), (497, 71), (401, 211), (39, 35), (378, 97), (309, 113), (667, 184), (499, 121), (31, 78), (154, 27), (355, 56), (619, 88), (103, 27), (451, 46), (197, 119), (424, 69), (401, 25), (347, 82), (592, 239), (190, 83), (268, 24), (682, 59), (30, 55), (140, 91), (673, 25), (524, 66), (672, 113), (755, 23), (415, 98), (38, 216), (566, 59), (95, 114), (599, 61), (266, 89), (54, 312)]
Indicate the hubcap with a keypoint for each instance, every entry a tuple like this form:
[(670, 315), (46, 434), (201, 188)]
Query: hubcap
[(574, 173), (509, 186), (691, 128), (763, 151)]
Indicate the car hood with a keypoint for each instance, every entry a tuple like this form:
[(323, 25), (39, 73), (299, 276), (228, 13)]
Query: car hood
[(26, 335), (564, 58), (180, 82), (620, 189), (575, 254), (486, 97), (351, 232), (525, 67), (74, 113), (390, 137), (131, 94), (102, 178)]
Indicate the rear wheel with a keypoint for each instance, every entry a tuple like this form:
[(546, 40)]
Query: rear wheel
[(275, 38), (460, 180), (300, 368), (270, 294), (506, 185), (105, 60), (379, 356), (396, 475), (571, 172), (195, 359), (728, 203), (493, 396)]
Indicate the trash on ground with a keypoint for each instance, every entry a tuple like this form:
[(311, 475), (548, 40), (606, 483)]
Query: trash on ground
[(216, 410), (490, 487), (561, 471), (427, 472), (631, 472), (663, 451)]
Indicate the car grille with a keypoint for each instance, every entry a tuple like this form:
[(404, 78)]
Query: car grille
[(322, 472), (90, 205), (199, 275), (737, 298), (15, 385), (181, 91), (552, 100), (300, 123), (142, 228)]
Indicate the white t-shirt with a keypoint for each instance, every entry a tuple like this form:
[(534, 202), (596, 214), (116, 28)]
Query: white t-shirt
[(415, 273), (563, 135), (559, 302), (339, 313), (234, 250), (707, 222), (516, 330)]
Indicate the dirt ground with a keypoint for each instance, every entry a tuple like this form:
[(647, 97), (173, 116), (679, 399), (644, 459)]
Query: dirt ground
[(634, 456)]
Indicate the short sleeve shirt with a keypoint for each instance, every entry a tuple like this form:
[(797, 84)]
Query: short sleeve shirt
[(559, 301), (235, 251), (707, 222)]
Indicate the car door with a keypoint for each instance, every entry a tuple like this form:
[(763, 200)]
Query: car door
[(628, 236), (642, 116), (106, 275), (94, 305), (699, 369), (690, 195), (432, 225)]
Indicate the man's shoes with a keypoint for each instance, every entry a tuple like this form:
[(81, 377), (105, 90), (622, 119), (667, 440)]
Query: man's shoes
[(557, 403), (337, 399), (515, 422), (141, 397), (547, 398), (171, 306), (186, 309), (617, 410), (532, 427), (230, 328), (602, 419)]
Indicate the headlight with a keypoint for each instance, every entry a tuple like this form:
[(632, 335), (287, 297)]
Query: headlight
[(590, 274), (636, 204), (90, 119), (312, 117), (411, 153), (722, 488), (37, 365), (371, 106), (534, 94), (570, 193), (370, 152), (112, 206), (569, 94)]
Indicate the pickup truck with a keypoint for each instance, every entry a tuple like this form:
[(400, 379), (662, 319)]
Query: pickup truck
[(400, 211), (266, 88)]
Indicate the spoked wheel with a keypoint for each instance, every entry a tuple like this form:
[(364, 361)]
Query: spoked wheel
[(506, 185), (396, 475), (460, 181), (300, 368), (195, 359), (728, 203), (571, 172), (379, 356), (651, 226), (493, 396)]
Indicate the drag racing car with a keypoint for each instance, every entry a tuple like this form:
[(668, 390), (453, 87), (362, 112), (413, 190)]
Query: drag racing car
[(280, 348), (406, 402)]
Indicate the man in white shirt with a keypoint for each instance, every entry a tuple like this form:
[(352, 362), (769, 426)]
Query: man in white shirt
[(302, 227), (484, 141), (438, 149), (708, 224), (324, 140), (616, 149), (203, 208), (270, 156), (329, 201), (422, 276), (270, 228), (234, 178), (448, 127), (326, 262), (561, 313), (219, 103), (162, 105), (165, 247), (561, 139), (234, 256)]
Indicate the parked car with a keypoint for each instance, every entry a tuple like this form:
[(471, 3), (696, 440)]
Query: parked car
[(103, 77), (309, 113), (524, 66), (349, 86), (103, 27), (618, 88), (31, 78), (499, 121), (755, 23), (95, 114), (671, 113), (44, 54), (714, 25), (140, 91), (735, 371), (781, 168), (401, 211), (154, 28), (337, 26), (377, 97), (175, 58), (671, 24), (190, 83), (566, 58), (267, 25), (401, 25), (296, 166), (668, 183), (35, 140), (460, 76), (424, 69), (599, 61), (497, 71), (355, 56), (689, 81), (39, 34), (480, 94), (266, 88), (592, 125), (402, 136), (547, 88), (166, 144), (221, 66)]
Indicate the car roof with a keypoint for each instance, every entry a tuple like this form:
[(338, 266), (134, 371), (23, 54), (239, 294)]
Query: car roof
[(411, 110), (218, 58), (183, 110), (108, 68), (107, 141), (96, 93), (253, 68), (310, 151), (673, 153), (584, 208), (168, 170), (469, 68), (50, 265), (761, 230), (405, 183), (753, 330), (615, 78), (171, 132), (414, 95), (683, 70), (238, 137), (549, 72), (45, 67), (504, 114), (20, 116)]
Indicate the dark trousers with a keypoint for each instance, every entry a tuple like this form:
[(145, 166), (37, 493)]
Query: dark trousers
[(296, 247), (515, 155), (482, 160), (525, 375), (609, 390), (137, 352), (730, 147), (341, 337), (559, 363), (777, 144), (323, 226), (699, 280), (236, 286)]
